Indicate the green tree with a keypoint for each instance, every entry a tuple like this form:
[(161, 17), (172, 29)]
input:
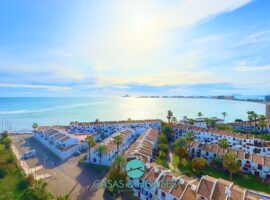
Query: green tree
[(162, 139), (174, 119), (223, 143), (90, 143), (180, 148), (5, 140), (37, 192), (238, 120), (262, 122), (119, 162), (101, 151), (163, 147), (167, 131), (97, 120), (251, 115), (199, 114), (224, 114), (207, 121), (231, 163), (169, 115), (65, 197), (191, 121), (224, 127), (117, 141), (35, 126), (189, 138), (198, 164)]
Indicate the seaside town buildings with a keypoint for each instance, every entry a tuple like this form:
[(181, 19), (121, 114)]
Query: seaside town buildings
[(201, 122), (238, 141), (144, 146), (58, 141), (250, 162), (109, 127), (111, 150), (159, 183)]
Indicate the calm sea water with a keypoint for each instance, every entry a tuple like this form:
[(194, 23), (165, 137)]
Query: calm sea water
[(20, 113)]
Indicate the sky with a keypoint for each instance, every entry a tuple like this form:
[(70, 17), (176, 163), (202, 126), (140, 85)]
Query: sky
[(176, 47)]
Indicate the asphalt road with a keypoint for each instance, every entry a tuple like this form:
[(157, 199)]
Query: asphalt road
[(66, 177)]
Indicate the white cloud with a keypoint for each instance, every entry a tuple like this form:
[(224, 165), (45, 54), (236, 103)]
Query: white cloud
[(32, 86), (252, 68)]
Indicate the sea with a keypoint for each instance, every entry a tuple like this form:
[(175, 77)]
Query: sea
[(18, 114)]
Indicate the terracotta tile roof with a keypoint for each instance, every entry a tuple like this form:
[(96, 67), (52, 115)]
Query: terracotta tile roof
[(267, 161), (219, 190), (189, 194), (256, 158), (76, 123), (178, 190), (207, 147), (237, 193), (206, 186), (215, 148), (194, 144)]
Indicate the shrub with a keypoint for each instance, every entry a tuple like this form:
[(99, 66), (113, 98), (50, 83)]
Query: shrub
[(3, 173), (22, 185)]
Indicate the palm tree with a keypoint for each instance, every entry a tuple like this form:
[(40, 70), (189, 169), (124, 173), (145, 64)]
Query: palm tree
[(223, 143), (169, 115), (231, 163), (262, 123), (66, 197), (35, 126), (191, 121), (250, 116), (207, 121), (189, 138), (91, 143), (255, 117), (174, 119), (118, 141), (97, 120), (101, 151), (224, 114), (120, 161), (180, 148), (199, 114)]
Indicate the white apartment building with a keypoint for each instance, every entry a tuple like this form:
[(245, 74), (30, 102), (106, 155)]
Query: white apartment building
[(142, 148), (169, 186), (58, 141), (109, 127), (238, 141), (128, 136), (255, 164)]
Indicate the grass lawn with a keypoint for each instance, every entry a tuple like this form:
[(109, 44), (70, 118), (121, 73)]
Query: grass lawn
[(163, 163), (247, 181), (10, 181), (98, 168)]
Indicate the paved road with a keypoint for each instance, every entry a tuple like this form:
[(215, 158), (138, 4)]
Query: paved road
[(66, 177)]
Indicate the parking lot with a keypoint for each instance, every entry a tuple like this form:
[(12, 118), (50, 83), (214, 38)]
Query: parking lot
[(63, 177)]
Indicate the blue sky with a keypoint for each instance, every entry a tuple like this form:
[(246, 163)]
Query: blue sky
[(84, 48)]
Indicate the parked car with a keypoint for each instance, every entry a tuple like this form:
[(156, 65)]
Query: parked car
[(77, 153), (29, 154)]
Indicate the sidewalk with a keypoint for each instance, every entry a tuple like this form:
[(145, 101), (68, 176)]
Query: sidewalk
[(25, 167)]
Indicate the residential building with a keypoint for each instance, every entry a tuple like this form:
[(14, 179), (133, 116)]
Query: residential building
[(58, 141), (238, 141), (255, 164), (109, 127), (159, 183), (127, 136), (144, 146)]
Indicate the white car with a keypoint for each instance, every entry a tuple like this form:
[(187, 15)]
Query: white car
[(29, 154)]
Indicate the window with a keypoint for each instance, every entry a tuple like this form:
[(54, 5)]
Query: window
[(163, 194)]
